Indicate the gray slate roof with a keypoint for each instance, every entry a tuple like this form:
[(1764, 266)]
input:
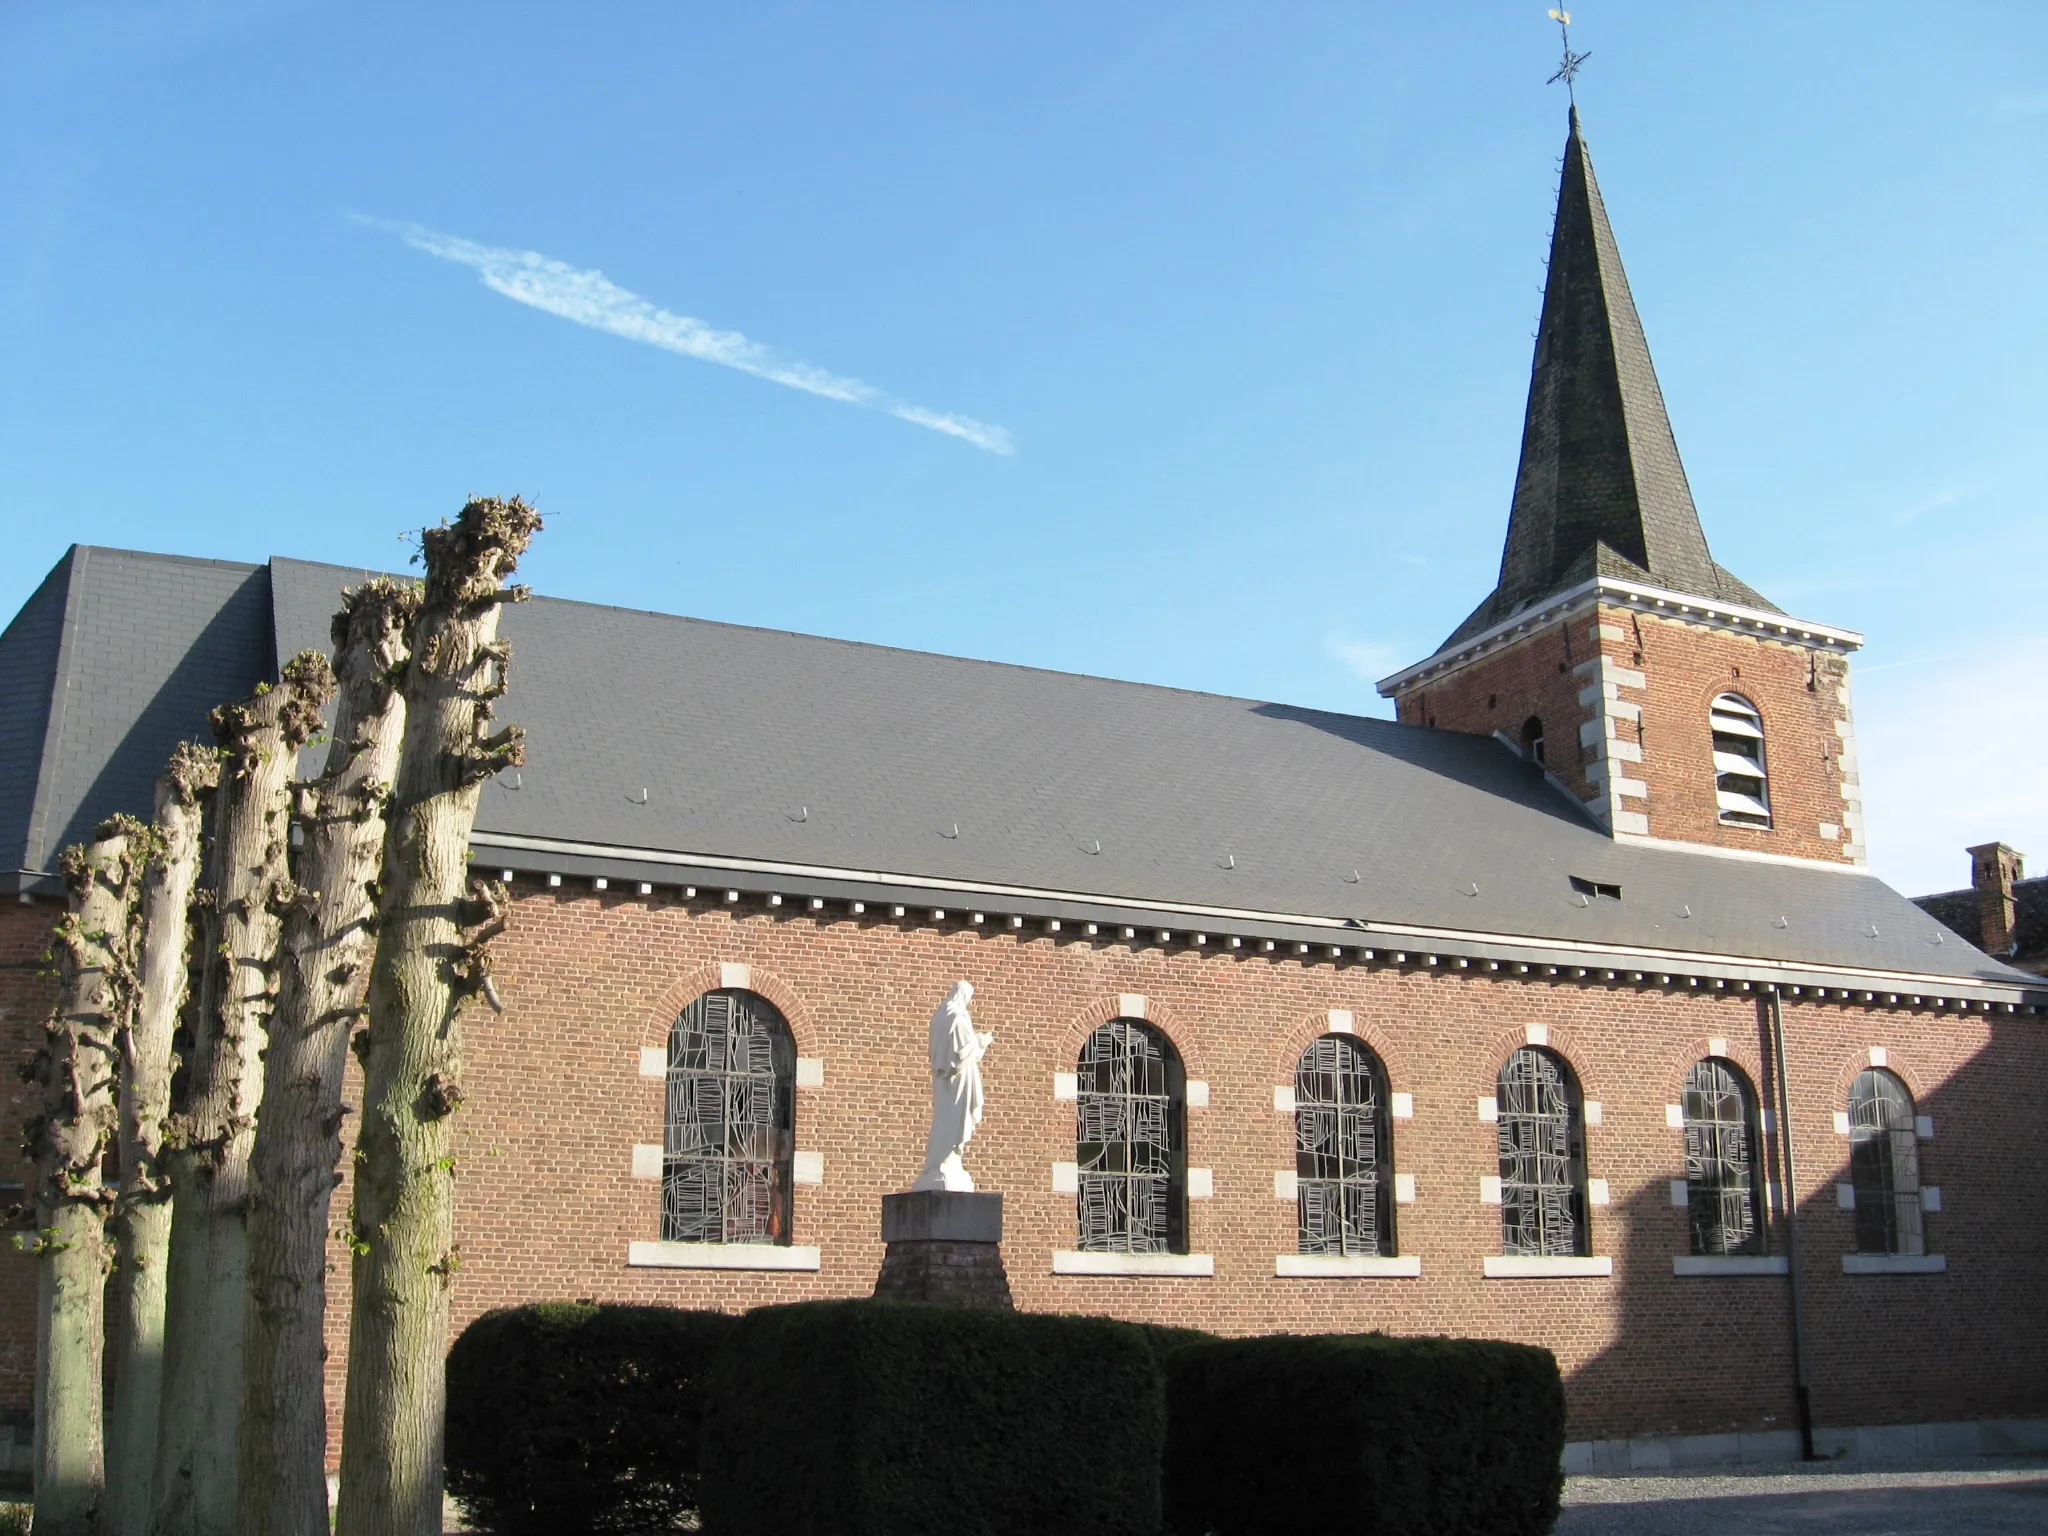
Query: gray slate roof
[(1959, 912), (115, 659), (764, 746), (1601, 489), (788, 752)]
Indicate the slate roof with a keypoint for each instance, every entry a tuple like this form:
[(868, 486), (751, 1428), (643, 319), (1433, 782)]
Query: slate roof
[(1600, 490), (1959, 913), (115, 659), (864, 768)]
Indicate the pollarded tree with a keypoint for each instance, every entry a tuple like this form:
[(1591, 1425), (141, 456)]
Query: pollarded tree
[(328, 932), (142, 1213), (68, 1142), (433, 925), (208, 1139)]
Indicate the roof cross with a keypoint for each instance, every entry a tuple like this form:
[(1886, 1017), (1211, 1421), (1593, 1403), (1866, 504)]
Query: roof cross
[(1568, 71)]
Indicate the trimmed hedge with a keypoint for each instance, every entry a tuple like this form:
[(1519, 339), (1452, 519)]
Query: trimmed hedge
[(884, 1418), (567, 1417), (1166, 1339), (1362, 1434)]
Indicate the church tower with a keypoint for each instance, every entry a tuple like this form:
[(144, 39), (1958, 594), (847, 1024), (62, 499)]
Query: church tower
[(1667, 695)]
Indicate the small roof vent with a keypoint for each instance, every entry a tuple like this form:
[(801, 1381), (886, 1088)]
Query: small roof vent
[(1595, 890)]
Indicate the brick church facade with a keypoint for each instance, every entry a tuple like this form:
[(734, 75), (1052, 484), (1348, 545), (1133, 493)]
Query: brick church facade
[(1560, 1009)]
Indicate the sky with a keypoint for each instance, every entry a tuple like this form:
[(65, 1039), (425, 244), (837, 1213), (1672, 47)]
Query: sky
[(1185, 343)]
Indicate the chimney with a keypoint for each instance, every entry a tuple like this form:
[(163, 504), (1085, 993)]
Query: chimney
[(1994, 871)]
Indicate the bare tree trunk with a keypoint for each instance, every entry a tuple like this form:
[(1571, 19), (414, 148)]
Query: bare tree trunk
[(206, 1144), (76, 1069), (431, 958), (142, 1214), (328, 932)]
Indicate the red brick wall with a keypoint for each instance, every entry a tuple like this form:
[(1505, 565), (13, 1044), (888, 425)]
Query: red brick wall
[(555, 1102), (1498, 692), (1802, 695)]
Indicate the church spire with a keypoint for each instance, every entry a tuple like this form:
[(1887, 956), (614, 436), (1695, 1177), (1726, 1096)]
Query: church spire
[(1601, 490)]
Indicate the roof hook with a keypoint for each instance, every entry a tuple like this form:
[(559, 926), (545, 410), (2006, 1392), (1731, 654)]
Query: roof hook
[(1352, 878), (803, 813), (1686, 910), (643, 797), (955, 832), (1229, 861)]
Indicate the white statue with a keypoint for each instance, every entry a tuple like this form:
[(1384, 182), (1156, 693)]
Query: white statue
[(956, 1052)]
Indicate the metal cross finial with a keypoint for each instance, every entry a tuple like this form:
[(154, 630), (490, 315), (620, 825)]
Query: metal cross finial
[(1567, 71)]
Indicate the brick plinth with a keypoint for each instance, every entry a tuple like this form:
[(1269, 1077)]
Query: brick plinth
[(944, 1245), (936, 1269)]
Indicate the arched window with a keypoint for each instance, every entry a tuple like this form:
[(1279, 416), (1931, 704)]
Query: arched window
[(1722, 1189), (1532, 738), (1343, 1181), (1542, 1157), (1884, 1165), (731, 1134), (1131, 1141), (1741, 787)]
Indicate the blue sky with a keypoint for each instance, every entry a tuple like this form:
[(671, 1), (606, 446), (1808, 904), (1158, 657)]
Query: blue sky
[(1245, 292)]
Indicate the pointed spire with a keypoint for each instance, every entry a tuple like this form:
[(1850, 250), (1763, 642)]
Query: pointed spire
[(1601, 490)]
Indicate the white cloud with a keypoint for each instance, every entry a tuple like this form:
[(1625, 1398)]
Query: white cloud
[(1933, 503), (1954, 753), (1370, 659), (590, 298)]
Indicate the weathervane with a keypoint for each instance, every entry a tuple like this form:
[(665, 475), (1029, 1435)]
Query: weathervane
[(1568, 71)]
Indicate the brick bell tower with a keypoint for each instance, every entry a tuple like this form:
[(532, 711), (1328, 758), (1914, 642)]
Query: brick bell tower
[(1670, 697)]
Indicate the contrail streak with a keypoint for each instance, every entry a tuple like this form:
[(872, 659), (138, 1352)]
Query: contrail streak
[(590, 298)]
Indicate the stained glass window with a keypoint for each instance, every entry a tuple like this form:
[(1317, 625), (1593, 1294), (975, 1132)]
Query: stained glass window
[(1542, 1157), (1884, 1165), (1722, 1187), (731, 1131), (1341, 1160), (1130, 1142)]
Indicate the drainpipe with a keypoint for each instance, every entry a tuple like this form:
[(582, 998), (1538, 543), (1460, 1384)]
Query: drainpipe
[(1774, 1016)]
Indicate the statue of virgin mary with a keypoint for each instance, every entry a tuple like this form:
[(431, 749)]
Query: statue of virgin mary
[(956, 1052)]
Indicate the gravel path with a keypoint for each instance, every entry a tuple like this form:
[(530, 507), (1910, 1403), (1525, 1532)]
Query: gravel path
[(1936, 1498)]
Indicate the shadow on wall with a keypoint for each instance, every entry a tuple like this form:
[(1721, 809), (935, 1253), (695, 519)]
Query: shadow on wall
[(1713, 1354)]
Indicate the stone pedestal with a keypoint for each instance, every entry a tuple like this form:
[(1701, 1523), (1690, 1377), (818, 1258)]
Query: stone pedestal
[(946, 1246)]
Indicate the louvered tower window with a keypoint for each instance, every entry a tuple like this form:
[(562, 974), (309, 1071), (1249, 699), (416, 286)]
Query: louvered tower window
[(1722, 1189), (1130, 1141), (1741, 787), (731, 1134), (1343, 1176), (1884, 1165), (1542, 1157)]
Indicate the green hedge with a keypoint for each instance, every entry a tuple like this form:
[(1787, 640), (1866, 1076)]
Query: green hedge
[(1166, 1339), (866, 1418), (1361, 1434), (567, 1417)]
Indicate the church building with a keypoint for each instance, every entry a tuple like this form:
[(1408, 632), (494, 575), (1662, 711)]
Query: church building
[(1561, 1008)]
